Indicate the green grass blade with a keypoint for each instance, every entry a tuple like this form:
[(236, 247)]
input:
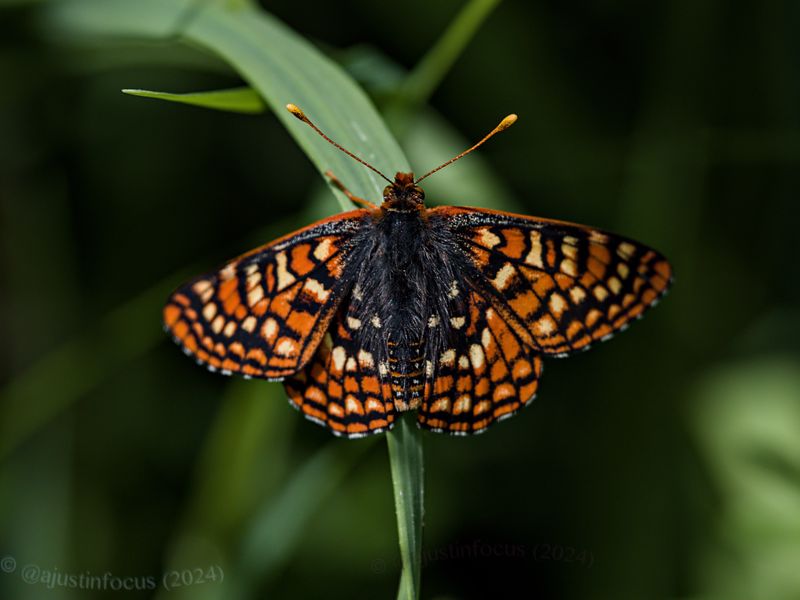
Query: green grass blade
[(279, 64), (427, 75), (239, 100), (406, 458), (276, 529)]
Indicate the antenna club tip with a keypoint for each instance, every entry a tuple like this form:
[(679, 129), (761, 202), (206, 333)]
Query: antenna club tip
[(507, 122), (295, 110)]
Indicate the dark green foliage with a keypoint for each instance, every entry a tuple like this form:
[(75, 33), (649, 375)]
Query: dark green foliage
[(662, 464)]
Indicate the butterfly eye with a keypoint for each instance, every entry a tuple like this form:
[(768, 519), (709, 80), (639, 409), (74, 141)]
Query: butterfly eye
[(420, 194)]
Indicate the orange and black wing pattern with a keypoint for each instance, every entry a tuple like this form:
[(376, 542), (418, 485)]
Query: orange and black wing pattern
[(264, 313), (345, 387), (486, 375), (559, 286)]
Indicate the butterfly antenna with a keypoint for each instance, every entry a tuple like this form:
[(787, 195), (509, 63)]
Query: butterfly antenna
[(302, 116), (502, 126)]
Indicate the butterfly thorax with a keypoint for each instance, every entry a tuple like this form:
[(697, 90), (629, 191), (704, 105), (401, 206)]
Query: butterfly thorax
[(403, 195)]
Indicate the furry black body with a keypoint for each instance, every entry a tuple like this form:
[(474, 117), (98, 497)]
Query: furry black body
[(407, 283)]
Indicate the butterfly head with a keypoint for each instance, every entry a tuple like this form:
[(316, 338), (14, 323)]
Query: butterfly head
[(403, 195)]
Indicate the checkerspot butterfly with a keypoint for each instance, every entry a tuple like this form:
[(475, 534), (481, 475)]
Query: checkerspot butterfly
[(448, 311)]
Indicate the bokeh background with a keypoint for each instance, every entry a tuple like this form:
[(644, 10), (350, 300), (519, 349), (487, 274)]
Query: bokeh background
[(664, 464)]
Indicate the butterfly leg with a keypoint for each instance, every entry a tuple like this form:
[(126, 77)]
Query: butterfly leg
[(352, 197)]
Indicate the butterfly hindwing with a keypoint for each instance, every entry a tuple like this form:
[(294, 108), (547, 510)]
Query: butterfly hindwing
[(561, 285), (487, 374), (264, 313), (345, 386)]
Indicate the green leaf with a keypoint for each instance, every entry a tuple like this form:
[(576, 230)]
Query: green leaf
[(240, 100), (406, 458), (282, 66)]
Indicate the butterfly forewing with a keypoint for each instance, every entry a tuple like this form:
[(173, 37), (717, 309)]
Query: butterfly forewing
[(561, 286), (264, 314)]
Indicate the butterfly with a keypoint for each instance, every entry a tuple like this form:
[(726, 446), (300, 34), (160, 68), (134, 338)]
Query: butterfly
[(448, 311)]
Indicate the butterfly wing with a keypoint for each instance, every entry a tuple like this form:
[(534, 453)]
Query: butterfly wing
[(344, 387), (264, 313), (487, 374), (559, 285)]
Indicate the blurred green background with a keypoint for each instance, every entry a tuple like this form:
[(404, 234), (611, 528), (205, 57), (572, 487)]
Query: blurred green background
[(665, 464)]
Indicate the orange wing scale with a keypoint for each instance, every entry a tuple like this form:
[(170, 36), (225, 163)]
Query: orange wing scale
[(486, 377), (560, 286), (344, 387), (264, 314)]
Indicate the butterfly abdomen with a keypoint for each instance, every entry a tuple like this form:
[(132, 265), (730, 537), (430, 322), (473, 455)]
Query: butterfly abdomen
[(406, 371)]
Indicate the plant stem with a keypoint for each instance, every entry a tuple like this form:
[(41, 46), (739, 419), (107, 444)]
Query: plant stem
[(405, 456), (430, 71)]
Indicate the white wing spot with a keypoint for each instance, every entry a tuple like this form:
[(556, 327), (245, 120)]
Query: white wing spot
[(462, 404), (614, 284), (489, 239), (448, 357), (577, 294), (365, 359), (253, 279), (626, 250), (314, 287), (557, 304), (476, 356), (453, 289), (228, 271), (285, 278), (504, 275), (270, 329), (544, 326), (249, 324), (569, 267), (201, 286), (600, 293), (255, 295), (218, 324), (286, 347), (338, 355), (209, 311), (457, 322), (323, 249), (353, 323), (534, 257)]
